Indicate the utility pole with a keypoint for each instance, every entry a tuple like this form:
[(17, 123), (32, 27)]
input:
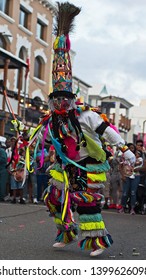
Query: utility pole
[(6, 66), (25, 87)]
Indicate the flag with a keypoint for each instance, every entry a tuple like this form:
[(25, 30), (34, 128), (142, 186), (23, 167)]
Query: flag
[(28, 67), (78, 90)]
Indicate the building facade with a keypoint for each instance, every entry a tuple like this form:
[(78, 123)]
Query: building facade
[(117, 109), (25, 58)]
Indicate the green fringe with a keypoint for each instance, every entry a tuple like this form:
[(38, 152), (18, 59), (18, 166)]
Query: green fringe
[(101, 167), (85, 218)]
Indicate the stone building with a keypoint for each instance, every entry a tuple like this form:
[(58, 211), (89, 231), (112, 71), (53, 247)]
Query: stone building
[(116, 108), (25, 59)]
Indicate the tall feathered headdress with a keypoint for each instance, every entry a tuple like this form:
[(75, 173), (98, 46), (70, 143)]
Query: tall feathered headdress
[(62, 70)]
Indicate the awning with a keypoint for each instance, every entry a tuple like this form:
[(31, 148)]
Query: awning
[(15, 62)]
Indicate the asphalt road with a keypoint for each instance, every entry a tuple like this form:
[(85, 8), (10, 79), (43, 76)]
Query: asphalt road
[(28, 233)]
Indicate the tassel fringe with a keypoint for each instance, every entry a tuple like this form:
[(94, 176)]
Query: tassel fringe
[(66, 236), (95, 243)]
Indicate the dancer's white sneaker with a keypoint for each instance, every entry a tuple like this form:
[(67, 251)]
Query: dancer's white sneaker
[(96, 252), (62, 244), (59, 245)]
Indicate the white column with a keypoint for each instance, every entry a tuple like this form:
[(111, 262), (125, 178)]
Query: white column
[(127, 116), (117, 113)]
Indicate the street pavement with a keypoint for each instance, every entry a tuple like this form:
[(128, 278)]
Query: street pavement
[(28, 233)]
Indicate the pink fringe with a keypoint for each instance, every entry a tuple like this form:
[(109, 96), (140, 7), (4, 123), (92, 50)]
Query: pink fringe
[(71, 148), (115, 128), (68, 45)]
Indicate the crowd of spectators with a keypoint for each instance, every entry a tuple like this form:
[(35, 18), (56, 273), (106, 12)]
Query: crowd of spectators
[(16, 185), (124, 190), (127, 184)]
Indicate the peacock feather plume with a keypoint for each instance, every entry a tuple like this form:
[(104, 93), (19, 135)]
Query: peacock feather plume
[(64, 21)]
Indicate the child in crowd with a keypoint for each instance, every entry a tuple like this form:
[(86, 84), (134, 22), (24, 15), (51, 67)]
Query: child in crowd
[(139, 162), (17, 183)]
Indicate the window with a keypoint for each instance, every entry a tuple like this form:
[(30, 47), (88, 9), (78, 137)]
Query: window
[(24, 17), (4, 6), (38, 68), (41, 27), (40, 31)]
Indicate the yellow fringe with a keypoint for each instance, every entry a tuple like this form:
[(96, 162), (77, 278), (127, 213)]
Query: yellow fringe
[(27, 156), (55, 45), (94, 149), (97, 177), (92, 226), (98, 243), (34, 131), (45, 196), (66, 190), (57, 221), (57, 175), (27, 159)]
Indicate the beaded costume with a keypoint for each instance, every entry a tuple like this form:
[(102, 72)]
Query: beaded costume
[(81, 166)]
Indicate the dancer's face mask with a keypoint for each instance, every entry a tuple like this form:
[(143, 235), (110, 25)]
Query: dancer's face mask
[(61, 103)]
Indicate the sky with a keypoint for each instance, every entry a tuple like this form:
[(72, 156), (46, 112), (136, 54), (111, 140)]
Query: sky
[(109, 40)]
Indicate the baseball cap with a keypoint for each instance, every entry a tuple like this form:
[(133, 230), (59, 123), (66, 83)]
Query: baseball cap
[(2, 141), (13, 138), (3, 144)]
